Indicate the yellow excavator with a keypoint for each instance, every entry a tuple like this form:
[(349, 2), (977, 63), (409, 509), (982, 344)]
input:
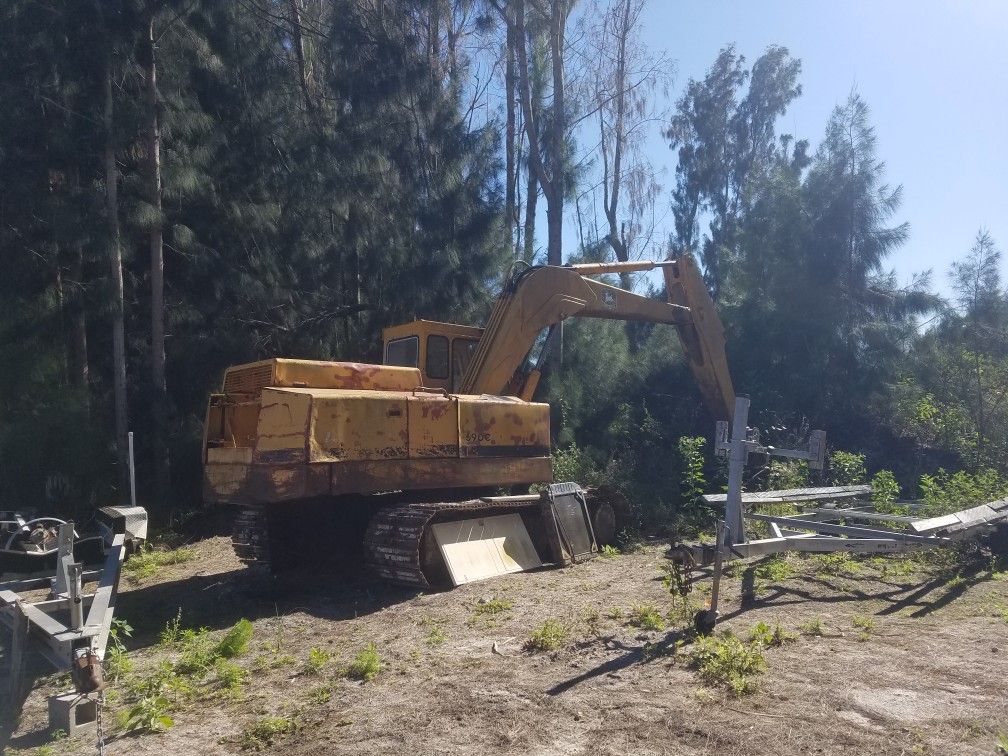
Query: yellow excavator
[(438, 446)]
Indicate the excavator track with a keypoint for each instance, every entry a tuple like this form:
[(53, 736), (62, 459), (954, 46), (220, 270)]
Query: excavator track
[(394, 544), (250, 535)]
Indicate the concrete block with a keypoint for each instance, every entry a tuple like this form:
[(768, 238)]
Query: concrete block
[(74, 714)]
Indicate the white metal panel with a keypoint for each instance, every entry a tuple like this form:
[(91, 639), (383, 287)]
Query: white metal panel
[(484, 547)]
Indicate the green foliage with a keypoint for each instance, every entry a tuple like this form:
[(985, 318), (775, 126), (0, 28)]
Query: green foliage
[(436, 636), (885, 492), (813, 627), (866, 626), (149, 714), (146, 562), (263, 732), (693, 484), (486, 609), (724, 660), (366, 665), (943, 493), (609, 551), (847, 468), (235, 641), (787, 473), (776, 569), (230, 677), (770, 637), (550, 636), (317, 660)]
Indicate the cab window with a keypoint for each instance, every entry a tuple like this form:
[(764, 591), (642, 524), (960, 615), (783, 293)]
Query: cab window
[(402, 352), (462, 353), (437, 357)]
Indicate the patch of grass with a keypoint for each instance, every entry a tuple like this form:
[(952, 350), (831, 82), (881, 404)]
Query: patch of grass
[(615, 613), (491, 606), (146, 562), (320, 695), (316, 662), (261, 733), (838, 563), (865, 624), (813, 627), (235, 641), (550, 636), (776, 569), (725, 661), (647, 617), (230, 677), (1001, 746), (366, 665), (609, 551), (590, 615), (770, 637), (436, 636)]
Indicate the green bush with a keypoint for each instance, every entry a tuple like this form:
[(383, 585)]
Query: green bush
[(885, 492), (847, 468), (550, 636)]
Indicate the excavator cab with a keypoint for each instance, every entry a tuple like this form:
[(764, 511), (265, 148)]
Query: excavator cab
[(442, 351)]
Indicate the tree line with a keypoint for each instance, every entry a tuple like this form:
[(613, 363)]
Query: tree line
[(189, 184)]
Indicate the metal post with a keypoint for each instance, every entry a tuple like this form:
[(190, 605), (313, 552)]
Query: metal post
[(74, 594), (132, 471), (736, 466)]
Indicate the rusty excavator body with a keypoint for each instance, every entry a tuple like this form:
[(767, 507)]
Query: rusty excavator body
[(427, 460)]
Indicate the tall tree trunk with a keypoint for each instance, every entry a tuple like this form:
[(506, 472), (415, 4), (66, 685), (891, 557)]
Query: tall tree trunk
[(159, 406), (116, 275), (531, 202), (299, 51), (555, 191), (510, 211), (79, 373)]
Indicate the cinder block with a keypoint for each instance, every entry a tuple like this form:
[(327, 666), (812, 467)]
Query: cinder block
[(74, 714)]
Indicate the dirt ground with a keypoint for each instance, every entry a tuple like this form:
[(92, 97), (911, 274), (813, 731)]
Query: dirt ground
[(930, 676)]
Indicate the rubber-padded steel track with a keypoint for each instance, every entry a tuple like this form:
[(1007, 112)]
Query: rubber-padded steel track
[(250, 536)]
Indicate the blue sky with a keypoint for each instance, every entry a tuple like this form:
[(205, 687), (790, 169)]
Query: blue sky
[(935, 73)]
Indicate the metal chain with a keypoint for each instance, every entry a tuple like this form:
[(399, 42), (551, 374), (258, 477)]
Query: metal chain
[(100, 704)]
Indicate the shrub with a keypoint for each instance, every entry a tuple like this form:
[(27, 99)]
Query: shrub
[(549, 637), (235, 641), (770, 637), (148, 714), (885, 491), (847, 468)]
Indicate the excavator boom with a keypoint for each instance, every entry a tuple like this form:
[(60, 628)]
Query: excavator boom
[(538, 297)]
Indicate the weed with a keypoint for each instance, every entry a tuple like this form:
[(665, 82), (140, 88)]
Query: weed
[(1002, 744), (317, 659), (813, 627), (235, 641), (726, 661), (776, 569), (865, 624), (148, 714), (171, 634), (838, 563), (549, 637), (262, 733), (321, 695), (230, 677), (647, 617), (436, 636), (148, 560), (609, 551), (590, 615), (770, 637), (682, 612), (366, 665), (615, 613), (491, 606)]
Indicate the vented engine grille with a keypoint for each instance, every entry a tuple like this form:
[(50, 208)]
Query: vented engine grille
[(248, 380)]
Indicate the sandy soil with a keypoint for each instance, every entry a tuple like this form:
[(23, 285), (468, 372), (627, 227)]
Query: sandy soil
[(931, 677)]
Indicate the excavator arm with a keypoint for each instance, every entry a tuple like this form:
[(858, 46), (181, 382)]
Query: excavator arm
[(542, 296)]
